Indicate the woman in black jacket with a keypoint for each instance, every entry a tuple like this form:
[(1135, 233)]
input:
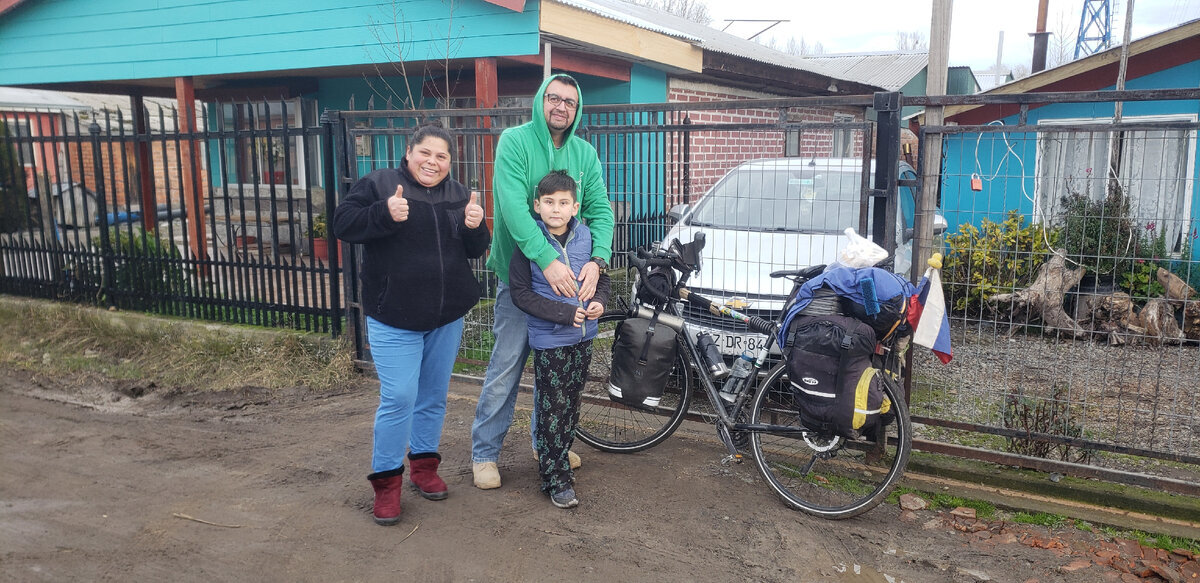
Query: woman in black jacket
[(418, 228)]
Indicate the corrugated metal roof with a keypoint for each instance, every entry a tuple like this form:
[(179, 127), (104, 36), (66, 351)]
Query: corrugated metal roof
[(708, 38), (623, 16), (890, 70), (20, 99)]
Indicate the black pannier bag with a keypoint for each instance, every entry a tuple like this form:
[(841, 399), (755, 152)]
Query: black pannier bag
[(643, 354), (834, 384)]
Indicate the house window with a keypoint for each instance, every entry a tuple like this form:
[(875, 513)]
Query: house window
[(843, 140), (20, 131), (265, 159), (840, 144), (1152, 172)]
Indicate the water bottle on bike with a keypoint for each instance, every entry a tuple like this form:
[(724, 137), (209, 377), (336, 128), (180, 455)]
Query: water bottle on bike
[(742, 366)]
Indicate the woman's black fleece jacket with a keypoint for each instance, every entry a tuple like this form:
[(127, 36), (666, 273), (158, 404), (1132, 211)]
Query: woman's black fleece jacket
[(415, 273)]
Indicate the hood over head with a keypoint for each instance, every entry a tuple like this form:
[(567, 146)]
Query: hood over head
[(539, 104)]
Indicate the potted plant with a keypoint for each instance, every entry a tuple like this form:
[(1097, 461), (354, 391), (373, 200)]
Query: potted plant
[(276, 171), (319, 232)]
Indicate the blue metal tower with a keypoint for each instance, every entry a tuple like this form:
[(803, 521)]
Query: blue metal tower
[(1095, 28)]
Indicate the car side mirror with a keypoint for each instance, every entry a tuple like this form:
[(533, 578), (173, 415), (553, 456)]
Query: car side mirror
[(939, 228), (677, 212)]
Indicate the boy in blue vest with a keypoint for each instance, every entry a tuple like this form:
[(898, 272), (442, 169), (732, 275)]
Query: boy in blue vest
[(561, 330)]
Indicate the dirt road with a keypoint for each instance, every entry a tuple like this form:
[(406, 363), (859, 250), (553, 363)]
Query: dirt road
[(105, 481)]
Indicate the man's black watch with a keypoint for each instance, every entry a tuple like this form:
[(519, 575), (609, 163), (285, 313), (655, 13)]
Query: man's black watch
[(602, 263)]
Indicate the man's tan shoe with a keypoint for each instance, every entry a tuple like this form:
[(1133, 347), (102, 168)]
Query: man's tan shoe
[(575, 461), (487, 476)]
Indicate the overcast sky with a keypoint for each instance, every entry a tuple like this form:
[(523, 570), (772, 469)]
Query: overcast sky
[(845, 26)]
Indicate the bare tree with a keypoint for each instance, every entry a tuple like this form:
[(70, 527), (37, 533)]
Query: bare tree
[(1061, 48), (911, 41), (393, 35), (801, 48), (693, 10)]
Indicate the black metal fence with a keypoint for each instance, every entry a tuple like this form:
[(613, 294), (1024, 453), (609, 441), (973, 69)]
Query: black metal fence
[(224, 222)]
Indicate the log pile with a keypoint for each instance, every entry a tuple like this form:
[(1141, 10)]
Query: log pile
[(1112, 316), (1043, 299), (1181, 295)]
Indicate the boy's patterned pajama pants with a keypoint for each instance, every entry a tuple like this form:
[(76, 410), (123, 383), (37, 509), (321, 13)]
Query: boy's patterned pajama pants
[(559, 374)]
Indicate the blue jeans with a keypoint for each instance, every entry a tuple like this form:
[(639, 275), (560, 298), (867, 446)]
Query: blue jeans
[(414, 376), (498, 398)]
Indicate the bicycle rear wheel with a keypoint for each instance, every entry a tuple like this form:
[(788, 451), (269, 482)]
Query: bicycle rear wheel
[(828, 477), (617, 428)]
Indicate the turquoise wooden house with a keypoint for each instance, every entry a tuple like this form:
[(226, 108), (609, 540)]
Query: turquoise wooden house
[(318, 54), (1032, 171), (285, 61)]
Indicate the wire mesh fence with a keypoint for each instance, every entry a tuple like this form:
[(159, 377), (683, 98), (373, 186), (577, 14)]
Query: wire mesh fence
[(1070, 275)]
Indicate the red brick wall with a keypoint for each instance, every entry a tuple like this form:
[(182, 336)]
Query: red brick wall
[(117, 167), (714, 153)]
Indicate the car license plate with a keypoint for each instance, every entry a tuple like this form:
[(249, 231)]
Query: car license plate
[(733, 343)]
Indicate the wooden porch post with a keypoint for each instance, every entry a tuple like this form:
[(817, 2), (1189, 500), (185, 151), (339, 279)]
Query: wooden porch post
[(142, 167), (193, 194), (487, 96)]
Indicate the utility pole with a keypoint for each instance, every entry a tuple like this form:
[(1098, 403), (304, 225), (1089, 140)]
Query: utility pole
[(931, 150)]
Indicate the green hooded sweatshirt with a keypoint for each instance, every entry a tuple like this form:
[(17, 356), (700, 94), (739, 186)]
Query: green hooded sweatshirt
[(524, 155)]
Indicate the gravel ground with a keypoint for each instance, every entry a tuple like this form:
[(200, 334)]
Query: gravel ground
[(1136, 396)]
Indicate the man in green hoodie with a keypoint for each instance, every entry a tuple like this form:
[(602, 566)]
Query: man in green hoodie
[(524, 155)]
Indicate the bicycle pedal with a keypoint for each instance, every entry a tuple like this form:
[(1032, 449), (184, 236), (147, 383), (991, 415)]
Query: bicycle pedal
[(736, 458)]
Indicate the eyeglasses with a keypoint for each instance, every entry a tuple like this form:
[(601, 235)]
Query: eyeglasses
[(555, 100)]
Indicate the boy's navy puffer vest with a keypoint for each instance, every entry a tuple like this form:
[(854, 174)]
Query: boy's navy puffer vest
[(544, 334)]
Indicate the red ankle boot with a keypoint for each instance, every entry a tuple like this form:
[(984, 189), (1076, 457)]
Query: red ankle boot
[(422, 470), (387, 487)]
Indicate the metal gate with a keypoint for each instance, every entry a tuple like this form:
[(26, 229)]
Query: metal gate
[(653, 156)]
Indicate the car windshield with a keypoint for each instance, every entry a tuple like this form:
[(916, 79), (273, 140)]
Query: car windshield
[(801, 199)]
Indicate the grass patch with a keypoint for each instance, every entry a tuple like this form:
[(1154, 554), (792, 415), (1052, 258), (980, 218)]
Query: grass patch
[(1157, 541), (68, 339), (983, 509), (1040, 518)]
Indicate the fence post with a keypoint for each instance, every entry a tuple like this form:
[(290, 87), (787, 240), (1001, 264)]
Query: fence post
[(331, 184), (106, 252), (887, 160), (687, 161)]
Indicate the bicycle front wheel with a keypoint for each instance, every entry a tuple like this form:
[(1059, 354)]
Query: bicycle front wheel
[(612, 427), (829, 477)]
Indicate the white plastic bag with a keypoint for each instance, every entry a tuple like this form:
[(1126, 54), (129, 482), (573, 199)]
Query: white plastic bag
[(860, 251)]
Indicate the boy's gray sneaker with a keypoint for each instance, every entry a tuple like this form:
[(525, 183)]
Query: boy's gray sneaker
[(565, 498)]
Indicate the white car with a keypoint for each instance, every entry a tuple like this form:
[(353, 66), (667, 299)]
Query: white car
[(773, 214)]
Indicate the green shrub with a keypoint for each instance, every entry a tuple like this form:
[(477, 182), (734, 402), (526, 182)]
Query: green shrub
[(146, 269), (993, 258), (14, 201), (1100, 235)]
